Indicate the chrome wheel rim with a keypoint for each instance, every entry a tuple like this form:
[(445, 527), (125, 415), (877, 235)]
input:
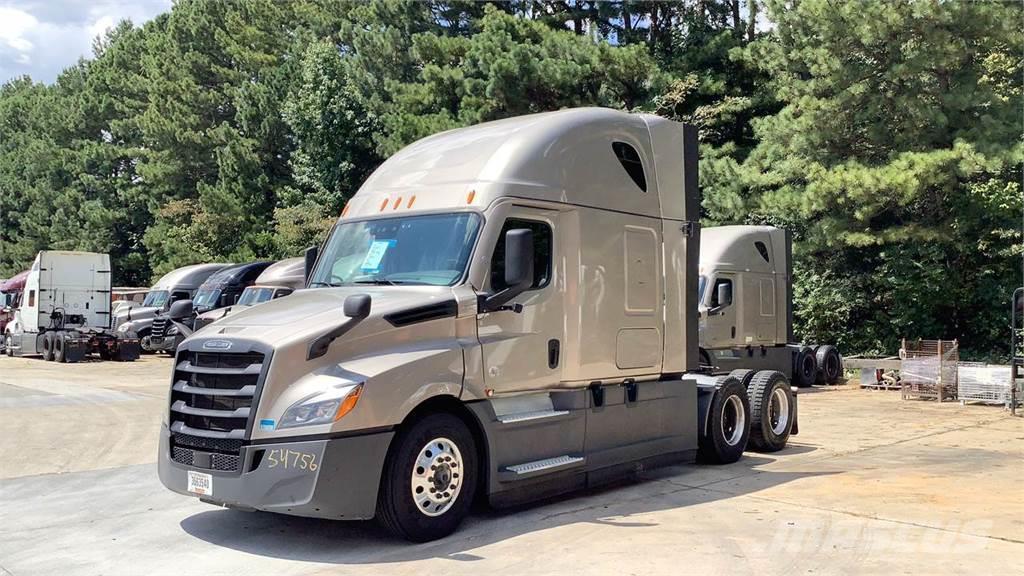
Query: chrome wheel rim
[(437, 477), (734, 420), (778, 411)]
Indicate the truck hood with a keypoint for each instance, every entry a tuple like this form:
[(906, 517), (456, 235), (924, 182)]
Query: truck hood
[(136, 313), (308, 312)]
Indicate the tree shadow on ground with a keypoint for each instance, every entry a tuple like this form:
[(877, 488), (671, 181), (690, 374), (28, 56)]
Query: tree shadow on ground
[(340, 542)]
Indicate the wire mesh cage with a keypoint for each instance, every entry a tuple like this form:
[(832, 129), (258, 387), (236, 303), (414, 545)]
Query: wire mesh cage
[(928, 369), (980, 382)]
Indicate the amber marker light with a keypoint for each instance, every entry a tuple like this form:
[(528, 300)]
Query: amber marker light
[(470, 196), (412, 199), (383, 204), (349, 403), (398, 202), (344, 210)]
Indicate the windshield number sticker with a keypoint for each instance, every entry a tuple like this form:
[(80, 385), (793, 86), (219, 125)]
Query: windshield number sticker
[(371, 264), (293, 459)]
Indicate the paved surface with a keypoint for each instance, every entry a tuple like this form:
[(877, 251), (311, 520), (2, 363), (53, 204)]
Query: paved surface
[(872, 485)]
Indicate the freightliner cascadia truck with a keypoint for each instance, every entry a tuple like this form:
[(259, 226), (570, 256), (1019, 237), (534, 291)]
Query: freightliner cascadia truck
[(502, 312), (746, 308)]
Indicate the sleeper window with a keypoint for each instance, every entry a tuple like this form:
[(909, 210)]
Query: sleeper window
[(541, 253), (630, 160)]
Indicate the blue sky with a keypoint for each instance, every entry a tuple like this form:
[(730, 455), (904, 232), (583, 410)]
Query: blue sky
[(42, 37)]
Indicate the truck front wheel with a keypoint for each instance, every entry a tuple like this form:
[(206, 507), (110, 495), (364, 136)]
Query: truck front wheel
[(429, 479)]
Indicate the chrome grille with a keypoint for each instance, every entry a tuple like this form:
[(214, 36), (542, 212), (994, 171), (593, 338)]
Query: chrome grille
[(213, 395), (159, 327)]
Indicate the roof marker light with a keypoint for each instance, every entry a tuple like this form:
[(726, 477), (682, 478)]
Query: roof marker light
[(470, 196), (383, 204), (411, 200), (344, 210), (398, 202)]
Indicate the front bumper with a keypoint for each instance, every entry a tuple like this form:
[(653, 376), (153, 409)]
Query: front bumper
[(330, 478)]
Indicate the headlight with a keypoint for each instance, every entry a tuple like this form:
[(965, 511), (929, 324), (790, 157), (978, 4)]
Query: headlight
[(171, 331), (124, 327), (322, 408)]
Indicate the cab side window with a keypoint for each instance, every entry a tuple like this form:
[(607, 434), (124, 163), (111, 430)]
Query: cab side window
[(175, 296), (31, 298), (541, 253), (281, 292)]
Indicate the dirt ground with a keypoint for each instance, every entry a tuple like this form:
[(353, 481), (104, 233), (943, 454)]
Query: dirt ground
[(872, 485)]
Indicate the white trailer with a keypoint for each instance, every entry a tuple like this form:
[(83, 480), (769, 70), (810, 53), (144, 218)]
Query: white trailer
[(65, 310)]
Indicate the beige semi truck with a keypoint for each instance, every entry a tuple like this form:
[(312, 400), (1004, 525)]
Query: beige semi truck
[(746, 308), (502, 312)]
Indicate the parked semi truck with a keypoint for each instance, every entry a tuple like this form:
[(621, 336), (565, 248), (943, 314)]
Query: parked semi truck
[(64, 312), (220, 289), (506, 311), (179, 284), (746, 307), (278, 280)]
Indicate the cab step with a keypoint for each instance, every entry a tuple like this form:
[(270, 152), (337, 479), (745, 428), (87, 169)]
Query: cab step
[(531, 416), (538, 467)]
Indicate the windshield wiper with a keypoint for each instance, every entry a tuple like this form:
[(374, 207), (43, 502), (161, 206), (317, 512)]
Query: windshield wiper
[(376, 281), (328, 284)]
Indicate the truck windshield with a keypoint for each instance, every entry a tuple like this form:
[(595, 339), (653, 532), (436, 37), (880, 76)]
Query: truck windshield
[(252, 295), (156, 298), (206, 298), (425, 250)]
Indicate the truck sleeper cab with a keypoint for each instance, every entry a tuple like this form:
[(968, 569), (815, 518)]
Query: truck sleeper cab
[(278, 280), (179, 284), (508, 310)]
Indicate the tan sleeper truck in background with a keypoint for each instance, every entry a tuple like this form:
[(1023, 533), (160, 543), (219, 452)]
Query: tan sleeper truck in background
[(502, 312)]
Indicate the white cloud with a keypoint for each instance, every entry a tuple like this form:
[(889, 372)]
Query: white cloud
[(42, 37)]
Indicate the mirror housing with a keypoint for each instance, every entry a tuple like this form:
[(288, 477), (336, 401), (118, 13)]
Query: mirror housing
[(180, 310), (357, 306), (311, 255), (724, 297), (518, 272)]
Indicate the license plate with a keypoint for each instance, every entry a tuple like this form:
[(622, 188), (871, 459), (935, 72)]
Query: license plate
[(199, 483)]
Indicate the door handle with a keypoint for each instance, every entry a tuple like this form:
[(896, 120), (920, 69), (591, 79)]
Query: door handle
[(553, 352)]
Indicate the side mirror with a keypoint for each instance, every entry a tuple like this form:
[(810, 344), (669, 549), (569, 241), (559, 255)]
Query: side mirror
[(518, 268), (311, 254), (724, 294), (357, 306), (180, 310)]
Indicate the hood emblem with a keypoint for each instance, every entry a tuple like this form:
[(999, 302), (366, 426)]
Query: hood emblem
[(216, 345)]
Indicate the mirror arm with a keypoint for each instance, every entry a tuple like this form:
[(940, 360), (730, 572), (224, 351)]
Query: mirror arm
[(318, 347)]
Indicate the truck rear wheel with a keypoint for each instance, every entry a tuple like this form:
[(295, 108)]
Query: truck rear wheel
[(830, 364), (724, 436), (429, 479), (805, 367), (48, 346), (772, 411), (60, 345), (744, 375)]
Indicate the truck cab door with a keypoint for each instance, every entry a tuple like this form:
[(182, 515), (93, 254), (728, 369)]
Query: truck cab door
[(720, 331), (523, 350)]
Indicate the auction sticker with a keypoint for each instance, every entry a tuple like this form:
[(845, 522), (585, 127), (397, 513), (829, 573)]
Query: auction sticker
[(199, 483)]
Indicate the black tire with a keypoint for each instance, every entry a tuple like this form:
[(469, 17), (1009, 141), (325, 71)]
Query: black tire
[(48, 346), (9, 345), (744, 375), (830, 364), (104, 352), (397, 509), (60, 345), (772, 411), (805, 367), (723, 438)]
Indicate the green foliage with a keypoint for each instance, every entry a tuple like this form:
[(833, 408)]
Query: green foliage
[(885, 135)]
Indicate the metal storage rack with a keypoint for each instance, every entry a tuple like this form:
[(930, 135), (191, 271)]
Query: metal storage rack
[(928, 369), (988, 383)]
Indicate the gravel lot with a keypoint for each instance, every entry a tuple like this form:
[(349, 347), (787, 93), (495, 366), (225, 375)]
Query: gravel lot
[(872, 485)]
